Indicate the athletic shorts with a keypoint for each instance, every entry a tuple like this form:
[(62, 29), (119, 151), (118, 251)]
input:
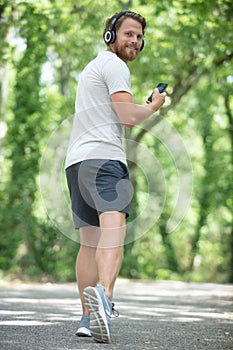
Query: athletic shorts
[(97, 186)]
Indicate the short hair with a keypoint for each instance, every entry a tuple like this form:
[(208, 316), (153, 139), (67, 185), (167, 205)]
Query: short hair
[(118, 23)]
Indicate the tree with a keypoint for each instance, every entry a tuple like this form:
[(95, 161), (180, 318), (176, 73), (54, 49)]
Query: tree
[(24, 135), (187, 45)]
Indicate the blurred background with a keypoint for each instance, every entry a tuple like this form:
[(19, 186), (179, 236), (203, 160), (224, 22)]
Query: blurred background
[(44, 46)]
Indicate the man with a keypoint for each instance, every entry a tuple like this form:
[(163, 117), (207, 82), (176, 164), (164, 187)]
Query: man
[(96, 168)]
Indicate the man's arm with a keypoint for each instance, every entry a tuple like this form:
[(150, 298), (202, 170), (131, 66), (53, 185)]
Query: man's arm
[(131, 114)]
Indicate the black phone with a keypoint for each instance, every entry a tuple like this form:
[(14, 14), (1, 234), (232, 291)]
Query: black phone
[(161, 87)]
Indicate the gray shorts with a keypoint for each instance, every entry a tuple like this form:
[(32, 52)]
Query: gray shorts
[(97, 186)]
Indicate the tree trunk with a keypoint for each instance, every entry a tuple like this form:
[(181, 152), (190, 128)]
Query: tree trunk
[(172, 261), (230, 129)]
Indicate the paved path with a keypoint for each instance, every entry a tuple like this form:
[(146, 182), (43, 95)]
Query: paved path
[(153, 315)]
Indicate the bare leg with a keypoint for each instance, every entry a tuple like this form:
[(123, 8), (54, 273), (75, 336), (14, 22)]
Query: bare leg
[(109, 252), (86, 266)]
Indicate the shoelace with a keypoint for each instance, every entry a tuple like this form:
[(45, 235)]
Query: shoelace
[(114, 312)]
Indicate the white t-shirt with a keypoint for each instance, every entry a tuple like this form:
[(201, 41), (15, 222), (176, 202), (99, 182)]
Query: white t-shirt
[(97, 131)]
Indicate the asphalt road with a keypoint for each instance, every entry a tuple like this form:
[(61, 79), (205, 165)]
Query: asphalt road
[(162, 315)]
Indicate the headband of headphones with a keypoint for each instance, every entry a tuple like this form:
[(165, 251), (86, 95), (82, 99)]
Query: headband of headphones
[(110, 35)]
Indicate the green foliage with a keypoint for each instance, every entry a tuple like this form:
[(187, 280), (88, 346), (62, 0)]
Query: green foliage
[(44, 47)]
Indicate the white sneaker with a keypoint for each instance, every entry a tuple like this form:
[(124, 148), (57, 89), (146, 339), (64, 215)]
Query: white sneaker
[(84, 327), (101, 309)]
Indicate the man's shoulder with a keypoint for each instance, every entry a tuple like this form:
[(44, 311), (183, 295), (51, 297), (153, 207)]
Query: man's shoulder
[(106, 64), (108, 56)]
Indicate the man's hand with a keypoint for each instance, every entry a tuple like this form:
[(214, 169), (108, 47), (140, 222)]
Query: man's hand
[(158, 100)]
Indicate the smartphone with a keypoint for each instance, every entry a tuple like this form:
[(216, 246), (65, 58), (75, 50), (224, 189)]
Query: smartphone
[(161, 87)]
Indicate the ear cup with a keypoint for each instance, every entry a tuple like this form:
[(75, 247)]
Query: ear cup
[(143, 43), (110, 36)]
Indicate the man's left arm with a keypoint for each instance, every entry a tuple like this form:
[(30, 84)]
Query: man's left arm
[(131, 114)]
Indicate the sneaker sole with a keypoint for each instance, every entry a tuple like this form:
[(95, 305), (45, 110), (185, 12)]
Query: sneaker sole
[(98, 322)]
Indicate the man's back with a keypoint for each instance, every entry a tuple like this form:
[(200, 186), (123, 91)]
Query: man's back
[(97, 131)]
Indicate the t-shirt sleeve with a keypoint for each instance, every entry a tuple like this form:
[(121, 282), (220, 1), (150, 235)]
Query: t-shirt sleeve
[(116, 75)]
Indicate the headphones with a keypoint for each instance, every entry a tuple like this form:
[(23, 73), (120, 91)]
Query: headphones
[(110, 35)]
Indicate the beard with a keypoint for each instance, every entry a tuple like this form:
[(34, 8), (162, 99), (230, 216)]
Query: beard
[(126, 52)]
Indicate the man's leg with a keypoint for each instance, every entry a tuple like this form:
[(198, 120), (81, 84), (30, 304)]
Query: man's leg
[(86, 265), (100, 255), (109, 253)]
